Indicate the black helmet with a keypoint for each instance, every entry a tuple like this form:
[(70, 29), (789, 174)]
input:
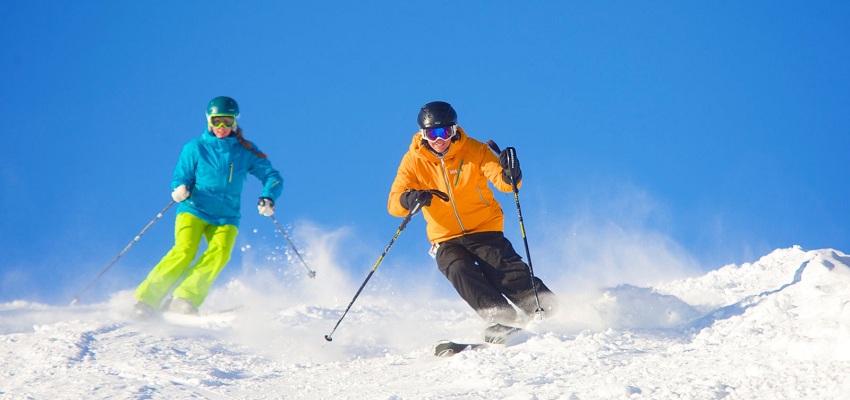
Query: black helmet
[(437, 114)]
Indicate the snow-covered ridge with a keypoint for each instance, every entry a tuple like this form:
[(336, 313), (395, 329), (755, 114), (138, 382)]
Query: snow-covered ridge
[(775, 328)]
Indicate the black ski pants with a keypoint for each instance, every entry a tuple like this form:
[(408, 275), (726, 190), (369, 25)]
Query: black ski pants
[(489, 275)]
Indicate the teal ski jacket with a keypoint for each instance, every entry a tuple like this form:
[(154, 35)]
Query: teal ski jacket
[(214, 170)]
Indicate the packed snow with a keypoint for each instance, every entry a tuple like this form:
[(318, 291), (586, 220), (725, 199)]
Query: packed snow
[(775, 328)]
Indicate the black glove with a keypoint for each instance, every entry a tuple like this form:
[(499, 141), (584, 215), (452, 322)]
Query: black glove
[(510, 165), (411, 197)]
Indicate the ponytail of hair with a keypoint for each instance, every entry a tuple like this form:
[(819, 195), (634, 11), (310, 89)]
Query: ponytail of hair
[(248, 144)]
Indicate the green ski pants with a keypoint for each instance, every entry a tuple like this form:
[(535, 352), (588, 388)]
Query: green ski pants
[(188, 232)]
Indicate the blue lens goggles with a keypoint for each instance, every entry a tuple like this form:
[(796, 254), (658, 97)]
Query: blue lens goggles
[(433, 134)]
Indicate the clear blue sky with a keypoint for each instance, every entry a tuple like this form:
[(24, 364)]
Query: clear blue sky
[(721, 126)]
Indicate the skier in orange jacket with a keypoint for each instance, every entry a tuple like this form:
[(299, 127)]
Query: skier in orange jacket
[(466, 231)]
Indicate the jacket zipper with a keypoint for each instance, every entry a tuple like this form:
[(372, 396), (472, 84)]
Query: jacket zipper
[(450, 193), (230, 179)]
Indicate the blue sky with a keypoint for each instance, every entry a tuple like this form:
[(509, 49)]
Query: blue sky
[(722, 128)]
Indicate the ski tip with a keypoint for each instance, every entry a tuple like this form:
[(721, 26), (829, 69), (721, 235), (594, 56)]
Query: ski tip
[(445, 348), (444, 353), (448, 348)]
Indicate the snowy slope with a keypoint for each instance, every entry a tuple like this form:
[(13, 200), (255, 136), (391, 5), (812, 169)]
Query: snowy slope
[(777, 328)]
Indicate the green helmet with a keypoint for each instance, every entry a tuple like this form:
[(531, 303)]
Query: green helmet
[(222, 106)]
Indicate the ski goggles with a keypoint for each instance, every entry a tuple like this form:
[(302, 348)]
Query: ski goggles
[(222, 121), (442, 133)]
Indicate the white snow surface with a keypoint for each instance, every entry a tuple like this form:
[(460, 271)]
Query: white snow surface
[(777, 328)]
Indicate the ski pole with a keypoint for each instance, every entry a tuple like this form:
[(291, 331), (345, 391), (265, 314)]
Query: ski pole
[(512, 162), (401, 227), (136, 239), (310, 272)]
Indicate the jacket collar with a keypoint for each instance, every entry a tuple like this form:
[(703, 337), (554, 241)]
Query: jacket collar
[(210, 137)]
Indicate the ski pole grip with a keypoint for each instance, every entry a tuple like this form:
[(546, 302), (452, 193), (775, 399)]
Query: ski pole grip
[(442, 196), (512, 163)]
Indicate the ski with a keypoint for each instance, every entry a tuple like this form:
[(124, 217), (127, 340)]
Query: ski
[(494, 335), (447, 348)]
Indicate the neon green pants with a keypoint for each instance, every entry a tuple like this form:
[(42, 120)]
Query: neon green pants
[(188, 231)]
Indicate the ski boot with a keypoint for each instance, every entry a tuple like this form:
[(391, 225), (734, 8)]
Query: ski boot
[(182, 306), (143, 311), (496, 333)]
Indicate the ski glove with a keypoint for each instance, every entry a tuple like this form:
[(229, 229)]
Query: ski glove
[(180, 193), (510, 165), (411, 197), (266, 206)]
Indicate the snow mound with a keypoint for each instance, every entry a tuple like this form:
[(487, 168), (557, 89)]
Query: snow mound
[(776, 328)]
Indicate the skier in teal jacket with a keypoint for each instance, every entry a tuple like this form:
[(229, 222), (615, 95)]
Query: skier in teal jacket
[(207, 184)]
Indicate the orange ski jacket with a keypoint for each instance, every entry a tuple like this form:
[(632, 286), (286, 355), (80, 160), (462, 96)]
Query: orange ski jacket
[(462, 173)]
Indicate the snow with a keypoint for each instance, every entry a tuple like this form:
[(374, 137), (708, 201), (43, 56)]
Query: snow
[(776, 328)]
